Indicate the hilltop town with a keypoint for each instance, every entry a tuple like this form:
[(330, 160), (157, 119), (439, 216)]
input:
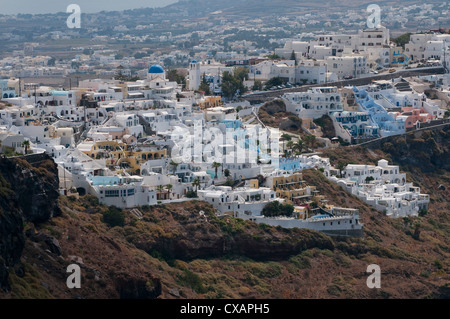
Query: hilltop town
[(172, 135), (215, 130)]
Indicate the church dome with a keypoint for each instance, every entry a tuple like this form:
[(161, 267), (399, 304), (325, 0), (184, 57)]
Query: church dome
[(156, 69)]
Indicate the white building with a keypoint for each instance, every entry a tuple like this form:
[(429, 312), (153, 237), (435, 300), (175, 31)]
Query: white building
[(122, 191), (314, 103), (376, 37), (382, 186), (311, 72), (194, 75), (237, 201), (426, 46), (300, 49), (348, 66)]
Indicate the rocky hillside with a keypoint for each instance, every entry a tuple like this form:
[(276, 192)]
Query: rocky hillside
[(28, 193), (273, 114), (174, 251)]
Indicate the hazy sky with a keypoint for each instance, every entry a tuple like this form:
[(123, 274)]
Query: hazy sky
[(87, 6)]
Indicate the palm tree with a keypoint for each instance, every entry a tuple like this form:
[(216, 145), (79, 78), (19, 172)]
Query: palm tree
[(290, 144), (26, 144), (285, 137), (169, 189), (160, 188), (174, 165), (196, 184), (298, 146), (216, 165), (341, 166), (310, 140)]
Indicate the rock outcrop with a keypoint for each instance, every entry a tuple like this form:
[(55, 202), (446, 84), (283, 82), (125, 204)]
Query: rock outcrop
[(28, 193), (191, 238)]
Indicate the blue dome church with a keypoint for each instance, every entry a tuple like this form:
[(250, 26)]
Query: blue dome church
[(156, 71)]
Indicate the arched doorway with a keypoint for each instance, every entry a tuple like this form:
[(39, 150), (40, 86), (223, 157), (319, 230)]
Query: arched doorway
[(81, 191)]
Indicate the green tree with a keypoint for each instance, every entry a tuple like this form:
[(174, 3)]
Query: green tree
[(140, 55), (191, 194), (298, 146), (226, 172), (75, 65), (174, 76), (290, 144), (241, 74), (229, 182), (257, 86), (234, 84), (275, 209), (275, 81), (403, 39), (174, 165), (273, 56), (285, 137), (341, 166), (294, 57), (216, 166), (310, 141), (196, 184), (169, 188), (160, 188), (369, 179), (26, 144), (114, 217), (204, 86)]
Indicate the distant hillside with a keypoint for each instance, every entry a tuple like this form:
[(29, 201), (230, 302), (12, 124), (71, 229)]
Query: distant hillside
[(258, 8)]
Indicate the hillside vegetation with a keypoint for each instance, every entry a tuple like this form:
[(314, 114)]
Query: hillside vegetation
[(176, 252)]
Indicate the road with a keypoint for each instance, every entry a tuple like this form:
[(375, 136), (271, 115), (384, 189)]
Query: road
[(268, 95)]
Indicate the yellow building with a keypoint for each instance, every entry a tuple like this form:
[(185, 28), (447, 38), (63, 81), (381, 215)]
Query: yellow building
[(210, 101), (300, 212), (292, 188), (254, 183), (120, 154)]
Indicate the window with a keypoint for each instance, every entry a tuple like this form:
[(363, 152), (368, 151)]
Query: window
[(112, 193), (130, 192)]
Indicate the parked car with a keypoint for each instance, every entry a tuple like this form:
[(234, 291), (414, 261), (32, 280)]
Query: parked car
[(392, 70), (348, 77)]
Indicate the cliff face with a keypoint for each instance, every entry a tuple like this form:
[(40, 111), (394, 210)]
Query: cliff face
[(176, 252), (28, 193), (192, 237)]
